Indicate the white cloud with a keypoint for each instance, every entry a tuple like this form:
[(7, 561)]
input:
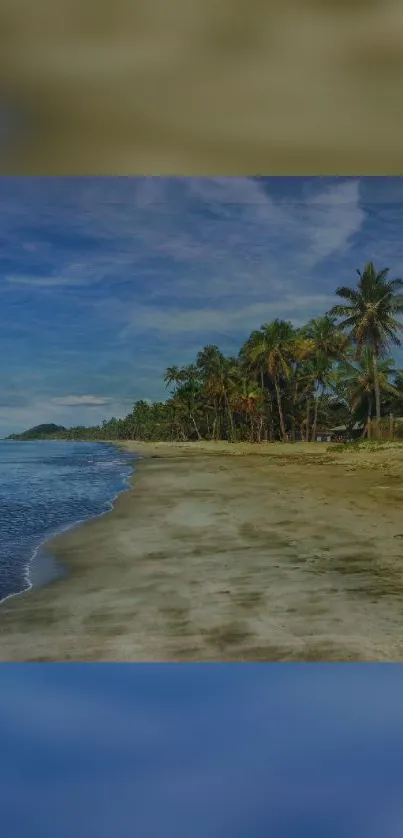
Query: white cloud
[(248, 217), (43, 281), (80, 400), (177, 321), (333, 217)]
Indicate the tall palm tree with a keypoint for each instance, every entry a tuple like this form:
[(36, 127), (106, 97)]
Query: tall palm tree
[(189, 391), (272, 344), (187, 381), (255, 367), (226, 384), (216, 371), (329, 345), (301, 350), (368, 315), (210, 363)]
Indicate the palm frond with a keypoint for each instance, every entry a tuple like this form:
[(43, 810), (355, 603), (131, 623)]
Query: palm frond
[(347, 293)]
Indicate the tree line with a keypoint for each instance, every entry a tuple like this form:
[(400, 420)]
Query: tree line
[(285, 383)]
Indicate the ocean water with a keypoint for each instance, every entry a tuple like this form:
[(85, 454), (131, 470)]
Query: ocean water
[(47, 487)]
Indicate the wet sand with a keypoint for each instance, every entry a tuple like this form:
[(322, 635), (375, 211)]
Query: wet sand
[(220, 552)]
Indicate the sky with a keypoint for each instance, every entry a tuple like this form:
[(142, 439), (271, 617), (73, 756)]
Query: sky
[(224, 751), (107, 281)]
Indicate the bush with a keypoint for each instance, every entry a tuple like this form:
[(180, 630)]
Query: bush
[(361, 445)]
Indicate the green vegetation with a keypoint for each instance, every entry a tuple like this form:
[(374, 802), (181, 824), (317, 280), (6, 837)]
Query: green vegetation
[(364, 445), (48, 431), (368, 314), (285, 383)]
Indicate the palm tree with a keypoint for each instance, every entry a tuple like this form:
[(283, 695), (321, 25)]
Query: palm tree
[(176, 416), (174, 375), (271, 345), (210, 363), (301, 350), (216, 371), (358, 380), (329, 345), (368, 315), (246, 398), (187, 380), (256, 368), (225, 385), (394, 404)]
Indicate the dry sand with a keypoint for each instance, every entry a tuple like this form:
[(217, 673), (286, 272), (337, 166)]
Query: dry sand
[(283, 553)]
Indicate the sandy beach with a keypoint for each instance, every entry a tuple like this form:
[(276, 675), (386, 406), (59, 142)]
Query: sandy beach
[(228, 552)]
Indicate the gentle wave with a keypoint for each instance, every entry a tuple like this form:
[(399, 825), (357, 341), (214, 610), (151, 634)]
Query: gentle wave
[(44, 491)]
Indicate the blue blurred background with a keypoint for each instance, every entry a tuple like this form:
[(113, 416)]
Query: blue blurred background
[(227, 751)]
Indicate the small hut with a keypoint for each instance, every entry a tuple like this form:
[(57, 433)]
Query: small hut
[(323, 435)]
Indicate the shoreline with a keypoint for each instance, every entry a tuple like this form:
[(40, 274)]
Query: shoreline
[(42, 569), (280, 553)]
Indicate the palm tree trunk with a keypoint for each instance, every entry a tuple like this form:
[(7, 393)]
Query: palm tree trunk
[(294, 407), (367, 430), (252, 428), (217, 419), (376, 391), (315, 419), (230, 418), (269, 418), (199, 436), (280, 409), (315, 416), (308, 416), (214, 427)]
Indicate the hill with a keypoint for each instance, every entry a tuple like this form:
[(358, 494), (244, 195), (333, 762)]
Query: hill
[(45, 431)]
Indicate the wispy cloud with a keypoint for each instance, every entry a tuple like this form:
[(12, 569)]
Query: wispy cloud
[(175, 321), (44, 281), (80, 400), (214, 219)]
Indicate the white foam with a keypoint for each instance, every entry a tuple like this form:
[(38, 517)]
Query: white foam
[(70, 526)]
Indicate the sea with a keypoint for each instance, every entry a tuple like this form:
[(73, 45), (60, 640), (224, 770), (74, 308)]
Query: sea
[(47, 487)]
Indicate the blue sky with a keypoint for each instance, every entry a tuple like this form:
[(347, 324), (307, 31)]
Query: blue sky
[(224, 751), (107, 281)]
